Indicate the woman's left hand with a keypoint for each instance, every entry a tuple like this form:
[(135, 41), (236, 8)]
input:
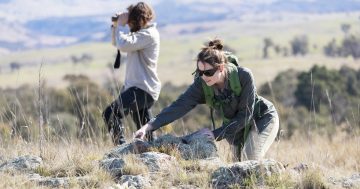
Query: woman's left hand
[(123, 18), (142, 131)]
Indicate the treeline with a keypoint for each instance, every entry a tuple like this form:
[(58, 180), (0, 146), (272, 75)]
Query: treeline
[(318, 100), (349, 46)]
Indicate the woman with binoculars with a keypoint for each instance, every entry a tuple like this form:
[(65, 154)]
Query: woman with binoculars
[(135, 35)]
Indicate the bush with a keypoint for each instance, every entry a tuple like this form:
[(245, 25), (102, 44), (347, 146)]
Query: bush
[(300, 45)]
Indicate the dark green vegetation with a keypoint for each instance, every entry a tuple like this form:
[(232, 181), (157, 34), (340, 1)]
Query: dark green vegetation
[(300, 45), (316, 100)]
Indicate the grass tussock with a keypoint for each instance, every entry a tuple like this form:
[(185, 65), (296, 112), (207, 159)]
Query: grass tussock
[(311, 179), (170, 150), (279, 181), (134, 166), (68, 168), (186, 173)]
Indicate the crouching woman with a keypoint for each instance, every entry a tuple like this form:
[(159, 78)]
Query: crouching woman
[(250, 122)]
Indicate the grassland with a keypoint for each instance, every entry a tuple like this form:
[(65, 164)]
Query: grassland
[(336, 158), (178, 50)]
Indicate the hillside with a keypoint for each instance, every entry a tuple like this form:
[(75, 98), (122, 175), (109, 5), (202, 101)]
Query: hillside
[(65, 23), (180, 42)]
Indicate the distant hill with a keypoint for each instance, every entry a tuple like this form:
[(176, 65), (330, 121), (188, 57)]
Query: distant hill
[(318, 6), (40, 28)]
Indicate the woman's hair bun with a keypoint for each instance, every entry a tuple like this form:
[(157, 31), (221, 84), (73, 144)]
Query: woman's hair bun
[(216, 44)]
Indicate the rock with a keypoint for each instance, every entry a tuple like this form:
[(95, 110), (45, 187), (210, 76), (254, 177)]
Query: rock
[(23, 164), (114, 162), (49, 181), (138, 182), (190, 147), (199, 148), (53, 182), (236, 173), (350, 182), (136, 147), (211, 163), (184, 187), (63, 182), (156, 161), (167, 140), (114, 166), (34, 176)]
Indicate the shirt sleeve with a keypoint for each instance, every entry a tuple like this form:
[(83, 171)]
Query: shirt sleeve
[(127, 41), (187, 101), (245, 108)]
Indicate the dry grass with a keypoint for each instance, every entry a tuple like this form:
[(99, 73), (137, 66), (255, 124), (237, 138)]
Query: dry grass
[(60, 160), (334, 157), (325, 157), (184, 173), (134, 166), (15, 181)]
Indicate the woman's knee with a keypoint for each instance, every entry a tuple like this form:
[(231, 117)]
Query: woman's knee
[(249, 153), (107, 113)]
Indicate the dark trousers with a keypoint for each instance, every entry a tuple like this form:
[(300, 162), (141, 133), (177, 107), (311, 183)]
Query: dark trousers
[(135, 101)]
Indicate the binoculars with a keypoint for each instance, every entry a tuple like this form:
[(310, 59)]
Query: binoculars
[(114, 18)]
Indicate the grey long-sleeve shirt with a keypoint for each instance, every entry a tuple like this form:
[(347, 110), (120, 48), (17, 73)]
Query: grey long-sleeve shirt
[(142, 48), (240, 109)]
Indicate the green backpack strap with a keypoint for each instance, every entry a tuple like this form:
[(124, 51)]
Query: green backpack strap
[(209, 94), (231, 58), (234, 79), (236, 88), (234, 85)]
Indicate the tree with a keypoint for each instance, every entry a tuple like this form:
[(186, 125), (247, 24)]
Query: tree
[(351, 46), (318, 86), (15, 66), (300, 45), (331, 49), (345, 28), (282, 88), (267, 44)]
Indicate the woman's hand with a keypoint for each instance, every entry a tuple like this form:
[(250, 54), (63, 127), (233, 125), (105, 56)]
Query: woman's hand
[(142, 131), (200, 133), (205, 132), (123, 18)]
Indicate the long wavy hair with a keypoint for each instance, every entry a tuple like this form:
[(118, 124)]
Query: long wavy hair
[(139, 15)]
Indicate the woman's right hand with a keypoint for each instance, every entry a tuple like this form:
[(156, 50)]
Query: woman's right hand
[(142, 131)]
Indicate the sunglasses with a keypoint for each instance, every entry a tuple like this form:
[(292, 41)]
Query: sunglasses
[(207, 73)]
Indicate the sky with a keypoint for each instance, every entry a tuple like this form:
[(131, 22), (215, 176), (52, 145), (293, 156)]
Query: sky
[(22, 11)]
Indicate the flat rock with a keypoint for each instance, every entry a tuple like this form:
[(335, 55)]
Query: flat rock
[(22, 163), (238, 172)]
